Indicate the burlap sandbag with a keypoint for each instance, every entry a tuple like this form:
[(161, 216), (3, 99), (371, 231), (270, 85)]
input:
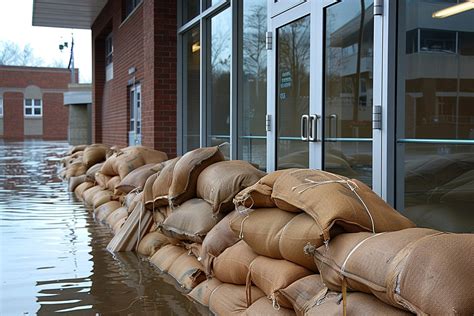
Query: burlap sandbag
[(405, 282), (81, 188), (76, 149), (102, 197), (112, 183), (259, 194), (75, 169), (150, 244), (75, 181), (116, 216), (148, 191), (332, 199), (163, 182), (202, 292), (187, 171), (136, 179), (165, 257), (187, 271), (137, 198), (118, 225), (191, 221), (272, 275), (135, 157), (219, 238), (88, 195), (261, 229), (94, 154), (93, 170), (102, 179), (221, 181), (358, 303), (105, 210), (232, 266), (231, 299), (108, 166), (194, 249), (301, 292), (264, 307)]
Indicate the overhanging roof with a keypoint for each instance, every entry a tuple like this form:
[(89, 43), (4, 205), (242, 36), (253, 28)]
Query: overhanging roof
[(77, 14)]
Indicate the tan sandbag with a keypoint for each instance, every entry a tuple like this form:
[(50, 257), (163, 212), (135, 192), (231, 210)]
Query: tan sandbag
[(108, 166), (88, 195), (102, 197), (264, 307), (135, 179), (187, 170), (191, 221), (77, 148), (93, 170), (202, 292), (102, 179), (112, 183), (165, 257), (301, 292), (137, 156), (261, 229), (78, 192), (219, 238), (94, 154), (116, 216), (231, 299), (148, 191), (194, 249), (357, 304), (102, 212), (75, 169), (151, 243), (221, 181), (118, 225), (272, 275), (232, 266), (405, 282), (163, 182), (332, 199), (132, 203), (75, 181), (187, 271)]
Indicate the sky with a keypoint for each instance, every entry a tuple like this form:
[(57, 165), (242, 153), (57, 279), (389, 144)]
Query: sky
[(15, 26)]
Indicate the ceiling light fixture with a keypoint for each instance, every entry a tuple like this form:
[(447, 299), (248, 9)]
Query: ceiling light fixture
[(453, 10)]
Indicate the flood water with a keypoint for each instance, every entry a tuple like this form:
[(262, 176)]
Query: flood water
[(53, 256)]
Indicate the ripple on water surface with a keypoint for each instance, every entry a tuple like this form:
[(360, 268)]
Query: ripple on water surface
[(53, 256)]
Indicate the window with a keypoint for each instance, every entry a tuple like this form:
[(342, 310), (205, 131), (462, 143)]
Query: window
[(33, 107), (1, 107), (109, 50), (130, 5), (437, 41)]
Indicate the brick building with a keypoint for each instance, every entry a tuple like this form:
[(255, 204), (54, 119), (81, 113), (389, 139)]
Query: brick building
[(377, 90), (31, 102)]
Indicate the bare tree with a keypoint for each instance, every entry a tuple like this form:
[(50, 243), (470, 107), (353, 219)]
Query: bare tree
[(14, 55)]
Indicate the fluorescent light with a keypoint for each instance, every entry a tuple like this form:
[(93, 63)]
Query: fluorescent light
[(453, 10), (195, 47)]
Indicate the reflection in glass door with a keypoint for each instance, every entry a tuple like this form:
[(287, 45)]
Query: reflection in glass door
[(292, 97), (135, 133), (348, 92)]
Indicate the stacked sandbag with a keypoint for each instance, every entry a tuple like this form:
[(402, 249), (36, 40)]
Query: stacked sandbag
[(420, 270), (94, 154)]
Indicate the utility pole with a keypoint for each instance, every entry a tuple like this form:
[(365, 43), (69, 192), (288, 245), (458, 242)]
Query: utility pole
[(71, 58)]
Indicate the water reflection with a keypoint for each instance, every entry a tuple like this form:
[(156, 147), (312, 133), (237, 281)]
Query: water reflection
[(53, 256)]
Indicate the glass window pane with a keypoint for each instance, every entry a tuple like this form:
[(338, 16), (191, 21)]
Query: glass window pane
[(348, 89), (28, 111), (253, 103), (191, 9), (435, 118), (191, 89), (219, 58), (37, 102), (28, 102), (37, 111)]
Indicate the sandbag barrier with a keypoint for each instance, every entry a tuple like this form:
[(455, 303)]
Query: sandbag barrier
[(292, 242)]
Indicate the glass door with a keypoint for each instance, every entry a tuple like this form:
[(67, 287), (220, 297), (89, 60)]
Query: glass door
[(135, 133), (289, 95), (348, 46)]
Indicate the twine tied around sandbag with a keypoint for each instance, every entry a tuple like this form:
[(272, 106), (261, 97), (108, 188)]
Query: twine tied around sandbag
[(241, 233), (310, 184), (275, 304), (240, 205)]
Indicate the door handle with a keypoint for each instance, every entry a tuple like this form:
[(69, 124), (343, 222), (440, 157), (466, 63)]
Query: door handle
[(313, 127), (333, 128), (304, 127)]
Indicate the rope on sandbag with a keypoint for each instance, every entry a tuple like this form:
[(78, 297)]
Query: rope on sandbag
[(350, 184), (275, 304), (241, 233)]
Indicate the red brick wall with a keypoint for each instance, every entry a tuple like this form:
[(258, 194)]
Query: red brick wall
[(13, 115), (146, 41), (55, 114)]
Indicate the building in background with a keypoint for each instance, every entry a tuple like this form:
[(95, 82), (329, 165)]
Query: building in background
[(78, 99), (31, 102), (381, 91)]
